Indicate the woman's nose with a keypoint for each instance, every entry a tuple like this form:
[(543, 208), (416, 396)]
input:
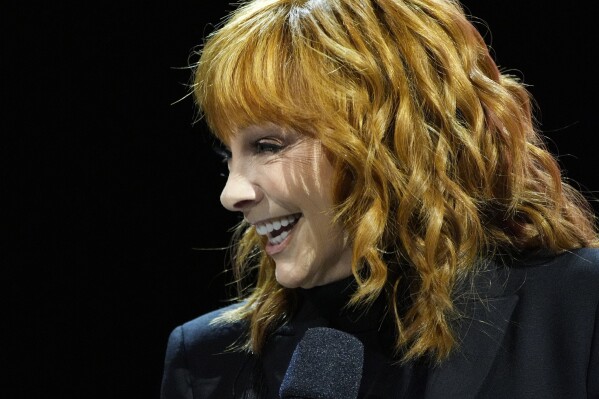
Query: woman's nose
[(239, 192)]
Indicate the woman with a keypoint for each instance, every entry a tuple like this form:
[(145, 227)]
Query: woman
[(393, 188)]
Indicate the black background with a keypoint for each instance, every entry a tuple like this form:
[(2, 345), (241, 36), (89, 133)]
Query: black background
[(111, 186)]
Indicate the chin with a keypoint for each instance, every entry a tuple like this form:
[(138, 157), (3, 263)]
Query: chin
[(288, 282), (288, 279)]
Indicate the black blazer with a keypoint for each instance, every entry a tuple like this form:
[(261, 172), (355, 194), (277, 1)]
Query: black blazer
[(531, 332)]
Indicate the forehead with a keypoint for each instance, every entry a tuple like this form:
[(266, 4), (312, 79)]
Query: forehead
[(257, 70)]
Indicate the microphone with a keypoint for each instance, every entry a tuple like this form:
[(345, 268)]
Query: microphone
[(326, 364)]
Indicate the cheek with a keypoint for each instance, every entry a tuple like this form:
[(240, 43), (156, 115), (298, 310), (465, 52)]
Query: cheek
[(309, 177), (323, 181)]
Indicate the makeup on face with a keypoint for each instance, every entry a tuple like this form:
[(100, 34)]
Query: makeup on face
[(281, 181)]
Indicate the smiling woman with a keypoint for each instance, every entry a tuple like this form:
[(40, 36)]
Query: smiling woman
[(280, 180), (393, 188)]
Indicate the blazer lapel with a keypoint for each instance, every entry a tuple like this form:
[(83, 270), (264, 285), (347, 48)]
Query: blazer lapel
[(480, 334)]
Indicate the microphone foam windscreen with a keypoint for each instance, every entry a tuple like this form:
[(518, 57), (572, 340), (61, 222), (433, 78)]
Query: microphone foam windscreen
[(326, 364)]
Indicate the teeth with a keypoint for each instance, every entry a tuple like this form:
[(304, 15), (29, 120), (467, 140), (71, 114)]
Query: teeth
[(272, 225), (279, 239)]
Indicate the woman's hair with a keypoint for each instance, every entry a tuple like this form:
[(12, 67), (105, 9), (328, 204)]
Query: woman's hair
[(438, 164)]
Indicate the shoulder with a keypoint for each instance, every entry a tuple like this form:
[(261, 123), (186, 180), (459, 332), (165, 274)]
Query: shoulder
[(532, 332), (561, 287), (575, 272), (205, 336), (201, 358), (583, 260)]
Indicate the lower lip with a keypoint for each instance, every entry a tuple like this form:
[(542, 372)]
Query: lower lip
[(273, 249)]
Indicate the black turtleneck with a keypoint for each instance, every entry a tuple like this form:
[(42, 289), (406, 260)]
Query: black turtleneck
[(325, 306)]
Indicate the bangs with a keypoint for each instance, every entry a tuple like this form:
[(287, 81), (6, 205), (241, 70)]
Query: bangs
[(260, 67)]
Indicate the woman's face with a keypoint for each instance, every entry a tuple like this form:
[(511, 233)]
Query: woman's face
[(282, 182)]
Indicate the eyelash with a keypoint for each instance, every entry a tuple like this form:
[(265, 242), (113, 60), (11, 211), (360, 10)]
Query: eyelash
[(261, 147)]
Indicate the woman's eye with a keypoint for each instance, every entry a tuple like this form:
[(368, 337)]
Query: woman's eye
[(266, 146)]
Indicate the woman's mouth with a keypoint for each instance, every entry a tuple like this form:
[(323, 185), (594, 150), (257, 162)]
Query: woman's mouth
[(277, 230)]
